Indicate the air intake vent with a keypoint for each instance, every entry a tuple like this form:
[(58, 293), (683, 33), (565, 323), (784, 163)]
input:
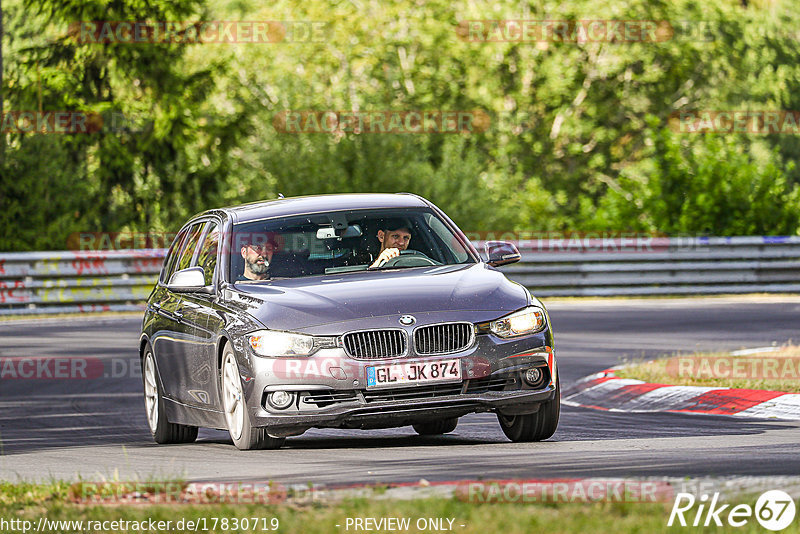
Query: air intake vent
[(443, 338), (375, 344)]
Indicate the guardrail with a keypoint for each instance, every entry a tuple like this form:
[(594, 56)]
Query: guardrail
[(81, 281), (659, 266), (77, 281)]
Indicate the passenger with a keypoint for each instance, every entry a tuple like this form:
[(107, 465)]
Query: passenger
[(394, 236), (256, 260)]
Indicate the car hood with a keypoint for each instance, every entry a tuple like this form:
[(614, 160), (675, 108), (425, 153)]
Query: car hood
[(301, 303)]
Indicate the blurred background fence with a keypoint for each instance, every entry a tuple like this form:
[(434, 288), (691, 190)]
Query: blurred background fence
[(83, 281), (77, 281)]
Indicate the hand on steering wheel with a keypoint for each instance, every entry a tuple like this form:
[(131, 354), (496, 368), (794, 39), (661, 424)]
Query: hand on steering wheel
[(385, 256), (395, 259)]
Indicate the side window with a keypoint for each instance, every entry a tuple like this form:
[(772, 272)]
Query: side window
[(172, 256), (187, 251), (207, 257)]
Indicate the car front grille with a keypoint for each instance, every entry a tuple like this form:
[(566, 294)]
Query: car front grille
[(375, 344), (443, 338)]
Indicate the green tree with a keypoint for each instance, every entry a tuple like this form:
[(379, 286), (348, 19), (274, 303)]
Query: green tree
[(155, 160), (705, 184), (579, 137)]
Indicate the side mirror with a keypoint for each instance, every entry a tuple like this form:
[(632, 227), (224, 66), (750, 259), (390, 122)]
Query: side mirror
[(501, 253), (189, 280)]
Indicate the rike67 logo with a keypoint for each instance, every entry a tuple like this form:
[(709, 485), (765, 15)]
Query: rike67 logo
[(774, 510)]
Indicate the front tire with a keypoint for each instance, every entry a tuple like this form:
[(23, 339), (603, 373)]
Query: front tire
[(243, 434), (433, 428), (535, 426), (162, 430)]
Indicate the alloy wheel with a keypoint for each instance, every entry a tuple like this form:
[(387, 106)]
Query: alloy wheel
[(232, 395)]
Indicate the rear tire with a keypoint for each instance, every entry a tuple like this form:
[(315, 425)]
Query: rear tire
[(433, 428), (162, 430), (535, 426), (244, 435)]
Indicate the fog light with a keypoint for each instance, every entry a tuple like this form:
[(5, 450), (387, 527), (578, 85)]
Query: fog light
[(280, 399), (533, 376)]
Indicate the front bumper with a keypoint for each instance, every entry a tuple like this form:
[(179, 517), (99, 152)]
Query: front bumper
[(329, 387), (402, 413)]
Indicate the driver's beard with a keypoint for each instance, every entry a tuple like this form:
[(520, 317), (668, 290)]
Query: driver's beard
[(259, 268)]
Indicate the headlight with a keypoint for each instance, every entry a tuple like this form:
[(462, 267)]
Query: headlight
[(273, 343), (527, 321)]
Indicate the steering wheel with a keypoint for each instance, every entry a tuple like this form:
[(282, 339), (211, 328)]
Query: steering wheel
[(410, 258)]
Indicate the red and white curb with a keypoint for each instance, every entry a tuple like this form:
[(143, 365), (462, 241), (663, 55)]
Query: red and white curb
[(605, 391)]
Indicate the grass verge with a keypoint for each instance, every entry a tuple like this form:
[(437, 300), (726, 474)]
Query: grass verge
[(777, 370), (26, 502)]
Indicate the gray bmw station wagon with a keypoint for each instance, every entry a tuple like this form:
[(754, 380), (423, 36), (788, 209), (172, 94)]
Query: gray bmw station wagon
[(341, 311)]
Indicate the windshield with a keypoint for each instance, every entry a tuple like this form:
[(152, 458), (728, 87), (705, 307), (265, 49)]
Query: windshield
[(341, 242)]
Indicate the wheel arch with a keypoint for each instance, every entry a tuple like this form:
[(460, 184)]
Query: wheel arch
[(224, 339), (144, 342)]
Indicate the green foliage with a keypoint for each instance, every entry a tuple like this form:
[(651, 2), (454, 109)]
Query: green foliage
[(579, 137), (716, 188), (41, 208), (707, 185), (143, 172)]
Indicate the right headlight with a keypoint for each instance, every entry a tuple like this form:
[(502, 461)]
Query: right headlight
[(274, 343), (526, 321)]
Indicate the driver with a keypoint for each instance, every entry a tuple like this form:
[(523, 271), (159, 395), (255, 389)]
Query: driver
[(394, 236), (256, 260)]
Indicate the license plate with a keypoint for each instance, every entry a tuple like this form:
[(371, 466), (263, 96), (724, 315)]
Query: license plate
[(404, 374)]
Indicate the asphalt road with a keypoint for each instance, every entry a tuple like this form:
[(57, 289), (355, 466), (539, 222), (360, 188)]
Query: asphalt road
[(95, 428)]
